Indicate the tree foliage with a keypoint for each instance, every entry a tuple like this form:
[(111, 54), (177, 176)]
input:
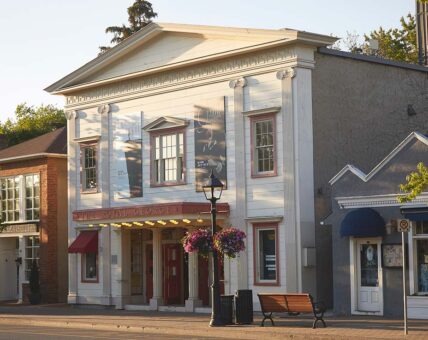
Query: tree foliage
[(416, 183), (31, 122), (398, 44), (139, 15)]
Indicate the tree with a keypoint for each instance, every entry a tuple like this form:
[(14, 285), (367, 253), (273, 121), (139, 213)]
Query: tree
[(139, 16), (416, 182), (395, 43), (31, 122)]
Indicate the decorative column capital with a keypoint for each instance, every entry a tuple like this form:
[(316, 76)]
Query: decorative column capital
[(70, 114), (240, 82), (104, 109), (287, 73)]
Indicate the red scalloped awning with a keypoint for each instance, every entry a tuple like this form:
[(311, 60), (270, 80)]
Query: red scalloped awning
[(86, 242)]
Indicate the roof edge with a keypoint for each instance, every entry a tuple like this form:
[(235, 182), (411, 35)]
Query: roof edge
[(33, 156)]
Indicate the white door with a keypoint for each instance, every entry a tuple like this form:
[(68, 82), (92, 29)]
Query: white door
[(368, 267), (8, 275)]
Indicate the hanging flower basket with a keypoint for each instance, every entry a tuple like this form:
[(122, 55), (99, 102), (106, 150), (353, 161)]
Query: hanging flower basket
[(198, 241), (229, 242)]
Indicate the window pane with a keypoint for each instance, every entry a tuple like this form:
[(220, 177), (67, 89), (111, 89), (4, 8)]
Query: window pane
[(422, 255), (267, 254), (91, 266), (369, 265)]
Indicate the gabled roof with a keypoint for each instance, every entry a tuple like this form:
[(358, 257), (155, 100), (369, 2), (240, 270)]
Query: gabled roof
[(257, 39), (50, 144), (366, 177)]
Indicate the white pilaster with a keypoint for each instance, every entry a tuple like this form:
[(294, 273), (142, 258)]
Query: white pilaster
[(157, 299), (239, 268), (193, 301), (121, 268), (73, 186)]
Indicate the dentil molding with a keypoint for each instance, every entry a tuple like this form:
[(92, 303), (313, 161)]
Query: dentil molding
[(207, 71)]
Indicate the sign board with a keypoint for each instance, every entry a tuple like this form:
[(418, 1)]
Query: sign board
[(403, 225)]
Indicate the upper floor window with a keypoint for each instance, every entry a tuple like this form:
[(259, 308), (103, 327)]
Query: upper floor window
[(263, 145), (168, 161), (89, 166), (20, 198)]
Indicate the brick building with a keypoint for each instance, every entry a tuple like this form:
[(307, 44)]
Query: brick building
[(33, 186)]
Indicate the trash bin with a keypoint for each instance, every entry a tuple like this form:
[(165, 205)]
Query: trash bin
[(226, 309), (244, 306)]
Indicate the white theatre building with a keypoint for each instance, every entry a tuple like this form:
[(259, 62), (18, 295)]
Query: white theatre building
[(147, 121)]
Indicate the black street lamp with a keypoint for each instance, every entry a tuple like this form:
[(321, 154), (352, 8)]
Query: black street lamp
[(212, 190)]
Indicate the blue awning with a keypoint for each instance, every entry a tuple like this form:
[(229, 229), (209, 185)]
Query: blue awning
[(415, 214), (364, 222)]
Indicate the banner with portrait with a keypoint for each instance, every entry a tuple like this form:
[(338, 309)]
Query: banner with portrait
[(210, 141)]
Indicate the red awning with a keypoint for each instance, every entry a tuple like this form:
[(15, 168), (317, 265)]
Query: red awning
[(86, 242)]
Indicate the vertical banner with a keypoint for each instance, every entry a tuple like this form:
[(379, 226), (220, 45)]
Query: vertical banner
[(210, 141), (127, 146)]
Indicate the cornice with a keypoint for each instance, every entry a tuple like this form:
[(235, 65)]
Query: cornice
[(389, 200), (274, 109), (205, 73)]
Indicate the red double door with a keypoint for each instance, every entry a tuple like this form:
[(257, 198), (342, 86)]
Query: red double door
[(175, 275), (172, 273)]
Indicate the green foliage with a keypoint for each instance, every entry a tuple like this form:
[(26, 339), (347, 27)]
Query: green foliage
[(398, 44), (31, 122), (139, 15), (416, 182)]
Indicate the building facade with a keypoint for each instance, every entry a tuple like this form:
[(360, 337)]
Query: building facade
[(367, 242), (273, 112), (33, 180)]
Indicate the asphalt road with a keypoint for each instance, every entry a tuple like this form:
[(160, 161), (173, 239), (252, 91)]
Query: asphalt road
[(48, 333)]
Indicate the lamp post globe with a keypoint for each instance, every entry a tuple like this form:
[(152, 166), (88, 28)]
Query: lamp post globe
[(213, 190)]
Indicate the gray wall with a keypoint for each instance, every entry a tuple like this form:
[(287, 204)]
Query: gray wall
[(360, 113)]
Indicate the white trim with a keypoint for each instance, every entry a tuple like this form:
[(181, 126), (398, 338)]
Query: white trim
[(36, 155), (264, 219), (366, 177), (353, 267), (156, 125), (94, 138), (388, 200), (257, 112)]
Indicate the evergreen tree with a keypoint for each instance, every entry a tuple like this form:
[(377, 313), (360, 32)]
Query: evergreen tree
[(139, 16)]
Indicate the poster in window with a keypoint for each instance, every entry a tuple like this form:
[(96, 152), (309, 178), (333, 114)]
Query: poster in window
[(210, 141), (392, 256), (127, 146)]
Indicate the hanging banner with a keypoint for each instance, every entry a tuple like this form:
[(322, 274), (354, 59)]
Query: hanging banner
[(210, 141), (127, 148)]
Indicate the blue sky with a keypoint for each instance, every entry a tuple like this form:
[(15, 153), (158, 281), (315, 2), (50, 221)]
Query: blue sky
[(43, 40)]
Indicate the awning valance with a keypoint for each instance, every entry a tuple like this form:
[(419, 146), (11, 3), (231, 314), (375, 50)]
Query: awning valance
[(364, 222), (415, 214), (86, 242)]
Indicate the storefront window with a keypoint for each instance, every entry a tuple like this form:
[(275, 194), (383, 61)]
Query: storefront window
[(32, 247), (266, 254), (89, 266), (422, 265)]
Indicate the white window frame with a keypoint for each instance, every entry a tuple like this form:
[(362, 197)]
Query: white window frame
[(22, 198), (93, 145), (86, 279), (413, 259), (26, 238), (257, 228)]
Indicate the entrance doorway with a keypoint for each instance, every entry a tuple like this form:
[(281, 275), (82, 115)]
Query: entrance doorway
[(368, 276), (9, 280), (173, 259)]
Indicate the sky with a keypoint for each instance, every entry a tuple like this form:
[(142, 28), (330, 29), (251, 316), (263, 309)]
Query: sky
[(44, 40)]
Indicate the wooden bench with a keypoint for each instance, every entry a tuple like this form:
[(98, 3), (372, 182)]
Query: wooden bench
[(293, 304)]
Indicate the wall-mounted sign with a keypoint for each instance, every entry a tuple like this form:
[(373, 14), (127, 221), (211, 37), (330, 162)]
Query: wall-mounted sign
[(392, 255), (210, 141), (127, 147)]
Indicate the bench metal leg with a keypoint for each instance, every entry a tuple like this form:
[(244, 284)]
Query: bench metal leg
[(319, 318), (267, 317)]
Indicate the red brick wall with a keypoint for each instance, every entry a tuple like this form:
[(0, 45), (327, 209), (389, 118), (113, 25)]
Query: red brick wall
[(48, 226)]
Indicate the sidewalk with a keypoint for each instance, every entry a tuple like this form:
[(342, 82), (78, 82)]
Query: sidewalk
[(196, 325)]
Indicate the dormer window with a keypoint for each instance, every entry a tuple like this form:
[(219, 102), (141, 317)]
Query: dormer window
[(168, 155)]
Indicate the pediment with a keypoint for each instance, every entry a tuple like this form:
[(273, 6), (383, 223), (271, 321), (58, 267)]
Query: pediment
[(165, 123), (159, 47)]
